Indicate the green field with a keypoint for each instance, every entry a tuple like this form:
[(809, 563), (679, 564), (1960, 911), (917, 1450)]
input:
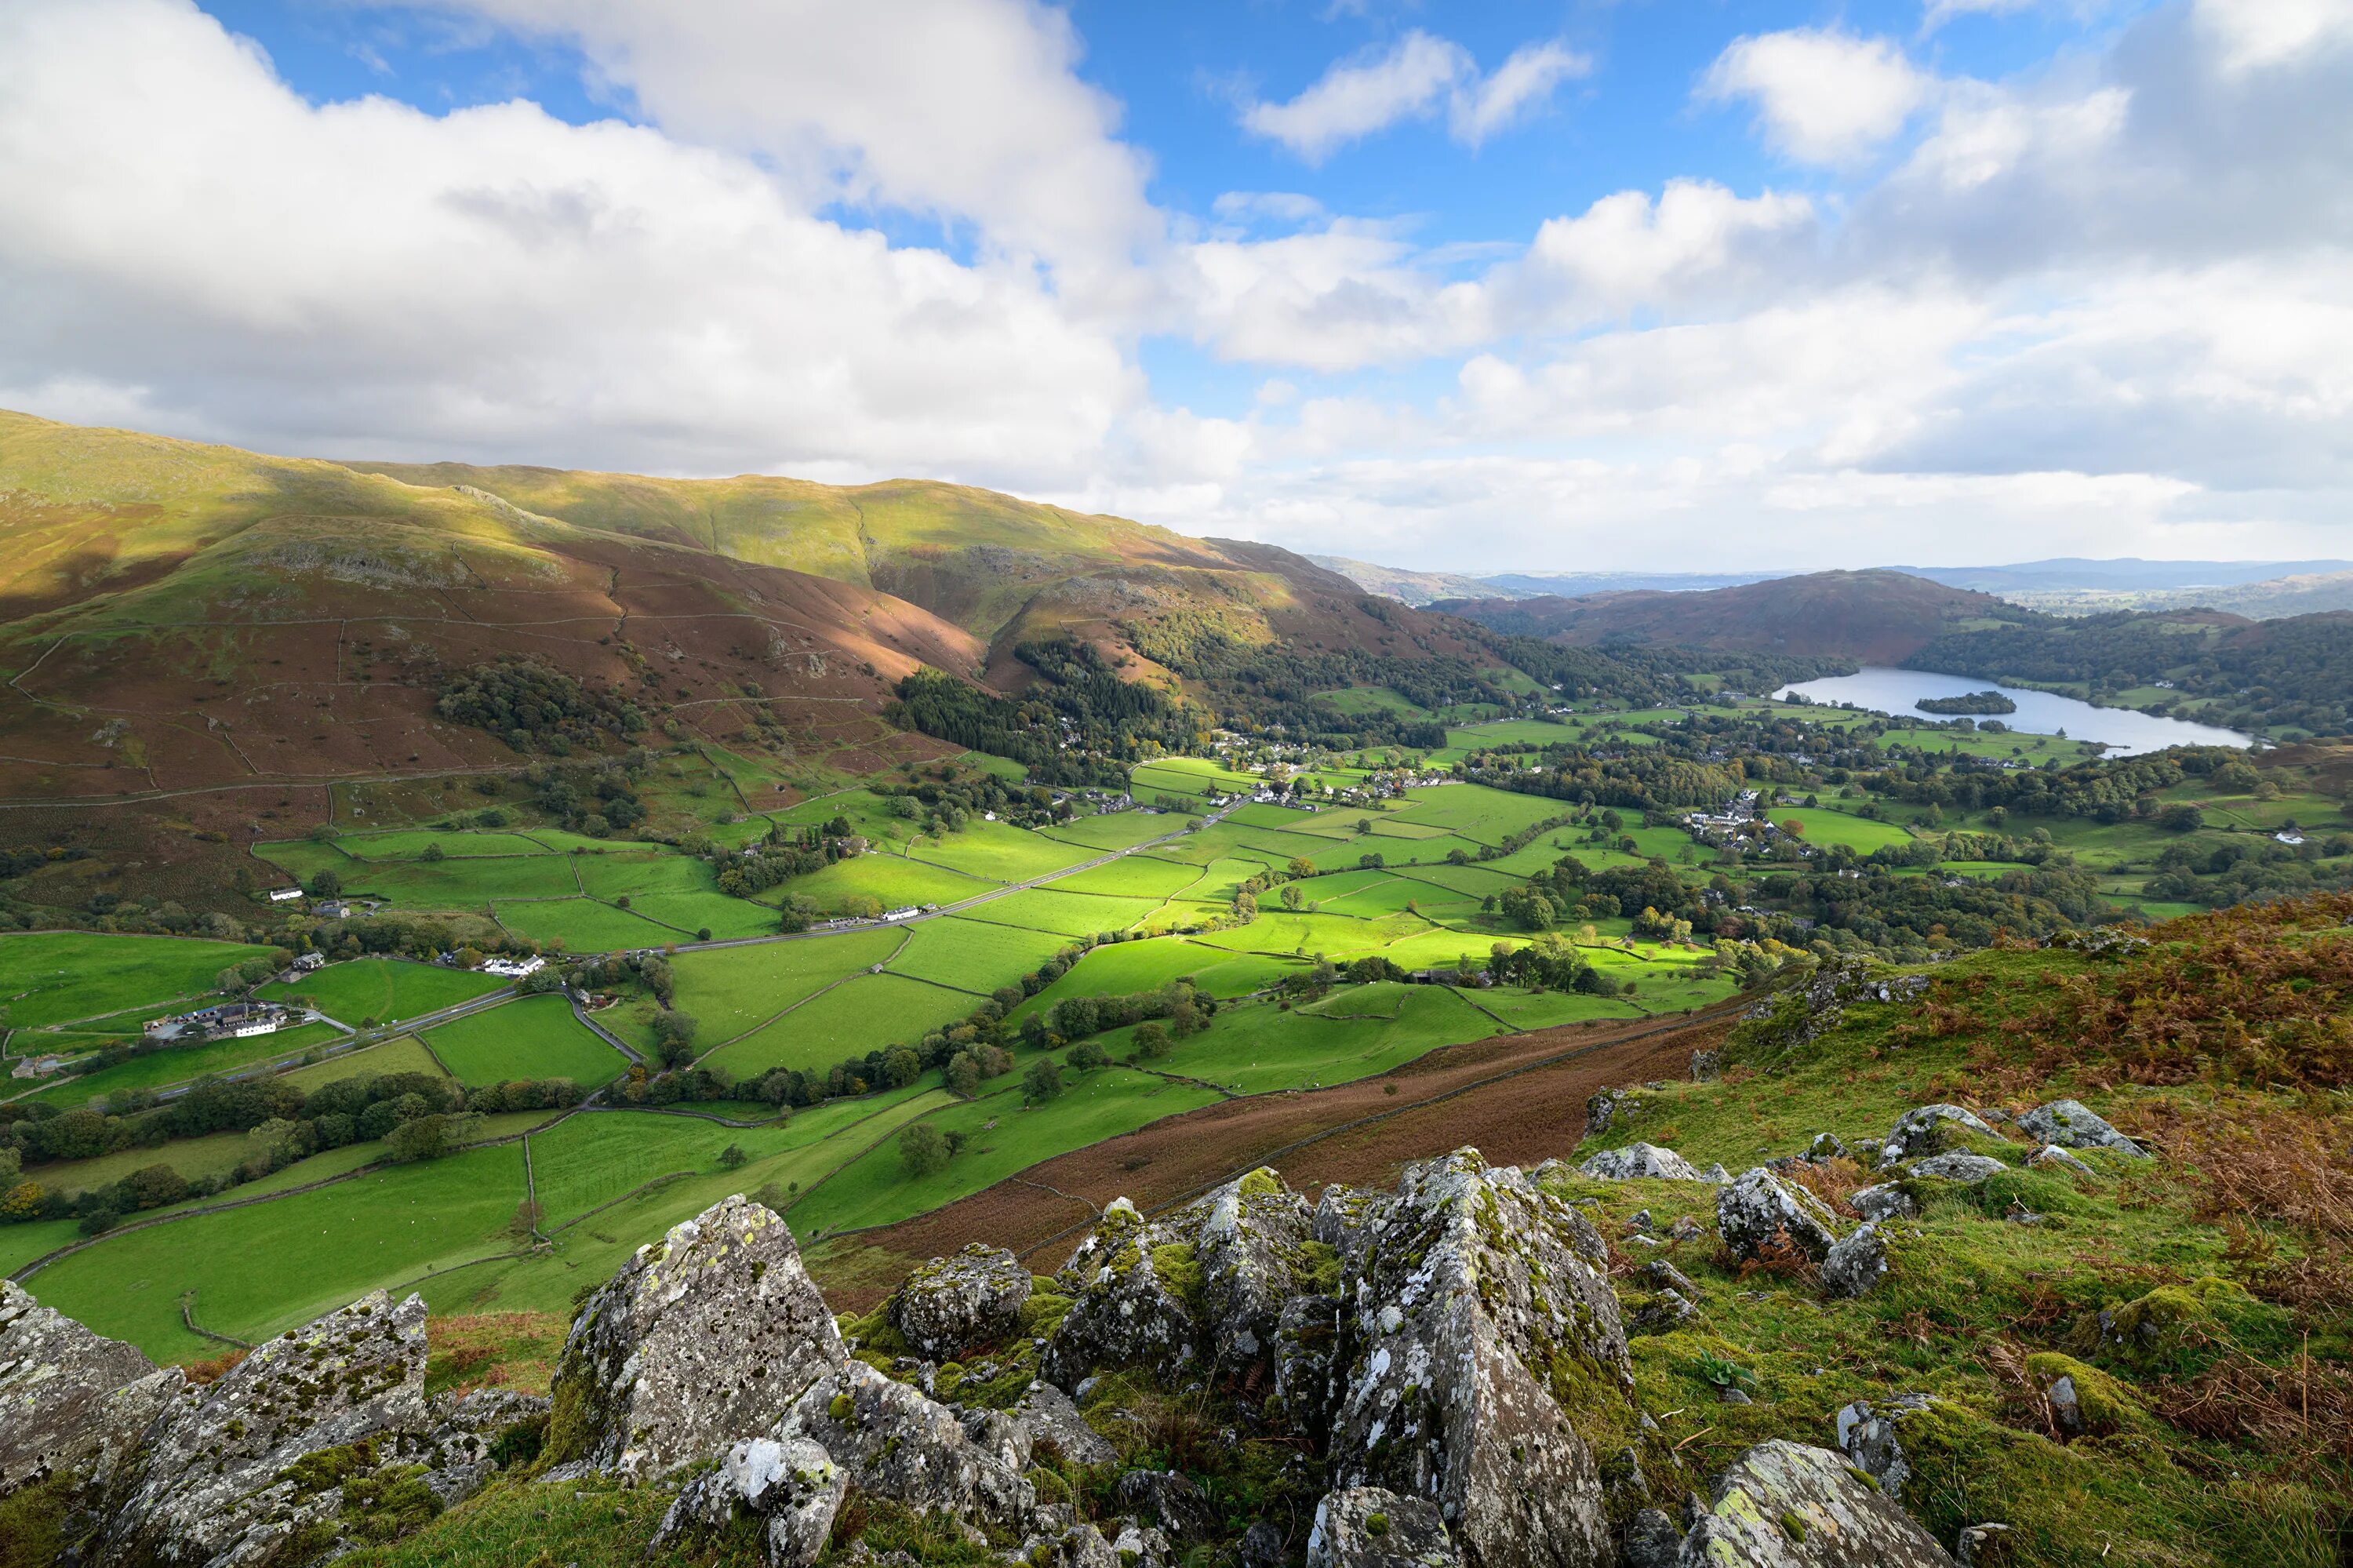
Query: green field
[(536, 1037), (728, 991), (184, 1064), (1135, 877), (996, 853), (1119, 830), (384, 989), (973, 955), (583, 926), (865, 1012), (56, 977), (1071, 914), (403, 1054), (890, 880)]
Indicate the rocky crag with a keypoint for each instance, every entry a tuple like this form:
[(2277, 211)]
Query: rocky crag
[(1443, 1369)]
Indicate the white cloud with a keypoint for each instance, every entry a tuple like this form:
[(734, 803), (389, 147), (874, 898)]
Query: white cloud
[(1821, 96), (1628, 250), (2255, 35), (1417, 76)]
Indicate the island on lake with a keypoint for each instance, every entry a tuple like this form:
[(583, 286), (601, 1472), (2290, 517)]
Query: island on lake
[(1969, 702)]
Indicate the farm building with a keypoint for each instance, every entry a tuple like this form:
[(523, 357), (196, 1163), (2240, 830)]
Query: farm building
[(230, 1021)]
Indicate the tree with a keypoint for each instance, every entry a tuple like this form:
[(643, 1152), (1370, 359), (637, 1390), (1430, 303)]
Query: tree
[(1151, 1041), (674, 1037), (1291, 896), (922, 1149), (433, 853), (1087, 1055), (732, 1157), (430, 1137), (964, 1074), (1043, 1081), (325, 883)]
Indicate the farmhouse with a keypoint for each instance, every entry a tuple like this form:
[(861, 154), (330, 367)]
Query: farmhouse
[(909, 913), (514, 968), (230, 1021), (284, 895)]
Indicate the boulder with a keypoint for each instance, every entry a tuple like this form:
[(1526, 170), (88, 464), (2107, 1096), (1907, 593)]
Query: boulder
[(1888, 1201), (1364, 1527), (1638, 1161), (894, 1441), (703, 1338), (1786, 1505), (2052, 1155), (1661, 1274), (71, 1403), (1958, 1165), (1825, 1148), (1133, 1292), (1056, 1425), (1263, 1546), (2071, 1123), (1251, 1239), (1921, 1131), (1758, 1205), (309, 1436), (1143, 1546), (792, 1486), (1474, 1295), (1652, 1540), (1601, 1109), (1867, 1432), (466, 1429), (1169, 1500), (1856, 1262), (951, 1306)]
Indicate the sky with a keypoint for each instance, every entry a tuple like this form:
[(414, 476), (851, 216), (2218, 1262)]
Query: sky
[(1572, 285)]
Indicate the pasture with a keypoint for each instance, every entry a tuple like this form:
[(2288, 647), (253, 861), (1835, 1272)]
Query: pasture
[(729, 991), (536, 1037), (973, 955), (364, 993), (864, 1013), (58, 977), (170, 1064)]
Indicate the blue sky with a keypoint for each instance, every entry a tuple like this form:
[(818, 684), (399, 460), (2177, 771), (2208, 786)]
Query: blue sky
[(1514, 285)]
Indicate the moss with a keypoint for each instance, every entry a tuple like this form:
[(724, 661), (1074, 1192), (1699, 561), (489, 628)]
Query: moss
[(316, 1471), (841, 1408), (1178, 1269), (2178, 1328), (2105, 1402), (1043, 1312), (32, 1525), (389, 1504), (1262, 1183), (1318, 1269), (1376, 1524)]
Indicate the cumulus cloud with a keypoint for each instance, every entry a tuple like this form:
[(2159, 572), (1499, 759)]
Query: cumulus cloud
[(1821, 96), (1417, 76)]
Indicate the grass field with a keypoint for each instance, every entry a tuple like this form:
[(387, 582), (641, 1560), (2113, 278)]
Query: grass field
[(184, 1064), (865, 1012), (691, 914), (403, 1054), (889, 878), (614, 875), (384, 989), (997, 852), (56, 977), (1071, 914), (972, 953), (536, 1037), (1118, 830), (730, 989), (1135, 877), (1824, 826), (1255, 1047), (581, 924)]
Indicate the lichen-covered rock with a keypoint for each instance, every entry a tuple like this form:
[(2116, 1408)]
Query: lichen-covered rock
[(1652, 1540), (1364, 1527), (1923, 1130), (463, 1444), (1786, 1505), (2053, 1156), (1136, 1293), (1254, 1241), (71, 1403), (1868, 1432), (1055, 1424), (1804, 1012), (1166, 1497), (1888, 1201), (315, 1430), (703, 1338), (1758, 1205), (1143, 1546), (791, 1487), (951, 1306), (894, 1441), (1856, 1262), (2070, 1124), (1639, 1161), (1601, 1109), (1960, 1165), (1477, 1305)]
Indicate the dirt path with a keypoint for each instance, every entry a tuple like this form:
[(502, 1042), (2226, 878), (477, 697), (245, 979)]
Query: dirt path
[(1518, 1098)]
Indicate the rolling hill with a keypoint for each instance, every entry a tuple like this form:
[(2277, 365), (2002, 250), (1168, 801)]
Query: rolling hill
[(1876, 616)]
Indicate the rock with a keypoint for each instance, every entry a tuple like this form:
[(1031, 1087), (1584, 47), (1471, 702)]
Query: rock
[(1856, 1262), (71, 1403), (465, 1438), (1142, 1546), (1727, 1394), (1685, 1228), (1364, 1527), (792, 1486), (892, 1441), (1885, 1201), (1662, 1314), (1867, 1432), (703, 1338), (1977, 1538), (1068, 1543), (1473, 1293), (1170, 1500), (1055, 1424), (1129, 1284), (1640, 1223), (2071, 1123), (1264, 1547), (1601, 1109), (2083, 1400), (1661, 1274), (1707, 1066), (1803, 1013), (1759, 1206), (2052, 1154), (1921, 1131), (1006, 1439), (1652, 1540), (1638, 1161), (276, 1449), (1251, 1241), (1306, 1340), (1958, 1165), (2066, 1406), (1785, 1505), (1715, 1173), (952, 1306), (1825, 1148)]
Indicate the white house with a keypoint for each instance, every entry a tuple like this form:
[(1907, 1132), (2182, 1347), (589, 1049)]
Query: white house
[(909, 913), (514, 968), (284, 895)]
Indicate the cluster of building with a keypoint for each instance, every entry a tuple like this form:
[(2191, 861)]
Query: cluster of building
[(227, 1021)]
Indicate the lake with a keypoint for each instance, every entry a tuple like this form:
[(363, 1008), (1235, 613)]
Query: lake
[(2125, 730)]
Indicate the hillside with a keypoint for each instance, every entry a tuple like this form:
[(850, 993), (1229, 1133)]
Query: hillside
[(1875, 616), (1417, 588), (2267, 599)]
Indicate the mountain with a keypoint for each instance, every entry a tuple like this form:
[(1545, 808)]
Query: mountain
[(1575, 585), (2270, 598), (1877, 616), (2066, 573), (1412, 588)]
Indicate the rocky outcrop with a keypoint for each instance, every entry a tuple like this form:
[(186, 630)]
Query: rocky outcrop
[(1364, 1527), (71, 1403), (1888, 1201), (1869, 1433), (893, 1442), (1806, 1011), (305, 1437), (1639, 1161), (2051, 1157), (952, 1306), (705, 1337), (2070, 1124), (1127, 1282), (1475, 1302), (466, 1434), (1056, 1425), (1855, 1263), (1250, 1243), (792, 1488), (1924, 1130), (1960, 1165), (1757, 1206), (1785, 1505)]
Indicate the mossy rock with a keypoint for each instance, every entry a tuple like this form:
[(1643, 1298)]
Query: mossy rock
[(2105, 1402), (1042, 1311), (2172, 1327), (1177, 1267)]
